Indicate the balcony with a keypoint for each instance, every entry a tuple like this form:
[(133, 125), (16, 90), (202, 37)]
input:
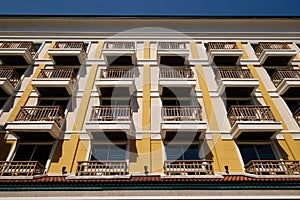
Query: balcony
[(273, 167), (253, 122), (17, 53), (176, 77), (21, 168), (224, 53), (287, 82), (116, 82), (55, 82), (119, 53), (102, 168), (9, 79), (67, 53), (37, 123), (113, 121), (188, 167), (274, 53), (236, 82), (182, 119), (297, 116), (172, 53)]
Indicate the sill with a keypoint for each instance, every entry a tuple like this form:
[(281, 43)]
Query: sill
[(271, 176), (218, 176), (22, 177), (73, 177)]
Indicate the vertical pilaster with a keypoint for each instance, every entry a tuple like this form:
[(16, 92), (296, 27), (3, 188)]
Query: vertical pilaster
[(224, 151), (288, 144), (68, 152)]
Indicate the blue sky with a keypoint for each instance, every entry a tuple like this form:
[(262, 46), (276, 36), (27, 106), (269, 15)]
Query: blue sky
[(152, 7)]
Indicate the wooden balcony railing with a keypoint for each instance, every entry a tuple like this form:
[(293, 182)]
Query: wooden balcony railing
[(116, 73), (16, 45), (250, 113), (270, 45), (273, 167), (70, 45), (120, 45), (281, 74), (101, 168), (297, 115), (11, 75), (21, 168), (176, 73), (171, 45), (188, 167), (41, 113), (232, 73), (181, 113), (111, 113), (221, 45), (58, 73)]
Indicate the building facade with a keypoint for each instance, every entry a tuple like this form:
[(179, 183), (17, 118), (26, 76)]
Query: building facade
[(149, 100)]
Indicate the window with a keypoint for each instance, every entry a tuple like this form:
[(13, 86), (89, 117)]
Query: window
[(293, 104), (2, 101), (32, 152), (53, 102), (108, 152), (115, 102), (256, 152), (182, 152), (234, 102)]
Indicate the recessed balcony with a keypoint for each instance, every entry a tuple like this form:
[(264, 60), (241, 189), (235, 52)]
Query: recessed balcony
[(116, 82), (172, 53), (224, 53), (287, 82), (17, 53), (114, 121), (182, 119), (9, 79), (102, 168), (296, 115), (273, 167), (120, 53), (176, 77), (67, 53), (188, 167), (57, 82), (253, 122), (21, 168), (37, 123), (236, 82), (274, 53)]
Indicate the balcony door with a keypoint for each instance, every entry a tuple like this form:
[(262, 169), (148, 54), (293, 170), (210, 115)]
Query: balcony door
[(107, 152), (54, 102), (33, 152), (182, 152), (256, 152)]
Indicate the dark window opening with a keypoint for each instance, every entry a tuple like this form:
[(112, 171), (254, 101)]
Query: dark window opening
[(108, 152), (182, 152), (37, 46), (33, 153), (256, 152), (293, 104), (115, 102), (50, 102), (235, 102)]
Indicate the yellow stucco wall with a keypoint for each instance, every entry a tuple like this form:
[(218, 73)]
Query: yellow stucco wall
[(223, 151), (67, 153), (289, 145)]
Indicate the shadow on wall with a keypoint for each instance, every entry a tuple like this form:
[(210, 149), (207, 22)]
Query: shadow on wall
[(282, 152), (4, 148)]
